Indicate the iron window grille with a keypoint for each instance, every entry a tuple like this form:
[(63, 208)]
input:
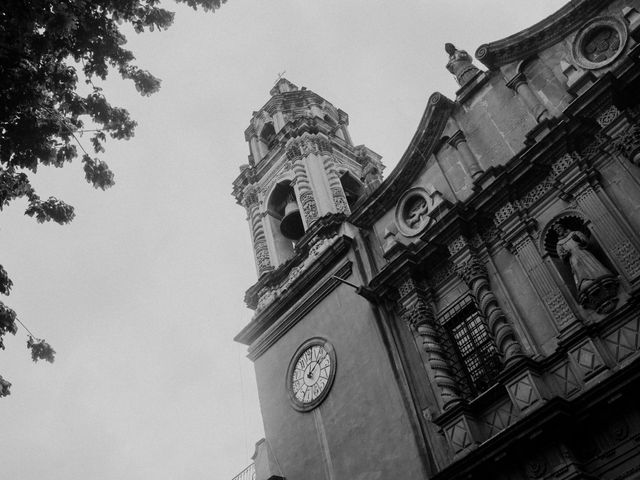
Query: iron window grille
[(476, 352)]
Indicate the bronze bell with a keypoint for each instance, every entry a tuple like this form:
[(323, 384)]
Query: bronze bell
[(291, 225)]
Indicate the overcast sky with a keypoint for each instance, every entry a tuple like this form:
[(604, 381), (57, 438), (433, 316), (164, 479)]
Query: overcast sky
[(142, 294)]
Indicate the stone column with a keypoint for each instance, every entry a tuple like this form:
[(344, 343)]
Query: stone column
[(417, 312), (474, 273), (260, 247), (337, 192), (304, 193), (543, 282), (459, 142), (516, 226), (521, 87), (612, 238)]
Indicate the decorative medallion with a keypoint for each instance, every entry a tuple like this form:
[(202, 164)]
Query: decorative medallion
[(599, 42), (311, 373), (415, 209)]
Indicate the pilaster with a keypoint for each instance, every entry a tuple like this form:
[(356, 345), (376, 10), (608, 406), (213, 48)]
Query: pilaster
[(520, 85), (459, 142), (612, 237), (260, 247)]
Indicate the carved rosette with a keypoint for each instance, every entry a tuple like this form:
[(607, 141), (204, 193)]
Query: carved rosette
[(474, 273), (418, 314), (260, 247), (305, 194)]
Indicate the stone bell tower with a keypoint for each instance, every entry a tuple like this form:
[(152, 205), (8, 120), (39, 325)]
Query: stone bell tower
[(302, 166)]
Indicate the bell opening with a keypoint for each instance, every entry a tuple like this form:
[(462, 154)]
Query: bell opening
[(291, 225)]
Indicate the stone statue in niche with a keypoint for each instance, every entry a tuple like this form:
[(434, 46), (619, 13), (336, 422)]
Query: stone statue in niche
[(416, 210), (597, 287), (460, 64)]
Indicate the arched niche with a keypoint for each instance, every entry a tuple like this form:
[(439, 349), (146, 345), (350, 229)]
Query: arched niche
[(353, 188), (334, 127), (581, 262), (281, 193), (267, 138)]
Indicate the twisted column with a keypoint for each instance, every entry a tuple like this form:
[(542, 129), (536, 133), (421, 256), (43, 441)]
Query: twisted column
[(418, 314), (475, 275)]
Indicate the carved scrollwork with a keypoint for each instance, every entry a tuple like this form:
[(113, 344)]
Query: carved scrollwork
[(309, 207), (306, 145)]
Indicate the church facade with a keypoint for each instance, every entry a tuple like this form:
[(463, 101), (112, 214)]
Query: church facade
[(476, 314)]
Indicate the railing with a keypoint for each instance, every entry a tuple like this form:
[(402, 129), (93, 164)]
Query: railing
[(248, 473)]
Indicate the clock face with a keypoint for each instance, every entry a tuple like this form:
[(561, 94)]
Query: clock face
[(311, 374)]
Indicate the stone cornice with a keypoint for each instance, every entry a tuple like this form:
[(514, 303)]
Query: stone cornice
[(265, 318), (266, 337), (540, 36), (325, 227), (414, 159)]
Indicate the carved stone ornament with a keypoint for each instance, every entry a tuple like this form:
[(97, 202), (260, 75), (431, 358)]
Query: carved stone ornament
[(460, 64), (415, 209), (599, 42)]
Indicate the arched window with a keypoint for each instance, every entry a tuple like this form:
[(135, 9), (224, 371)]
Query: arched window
[(267, 138), (352, 187), (283, 215)]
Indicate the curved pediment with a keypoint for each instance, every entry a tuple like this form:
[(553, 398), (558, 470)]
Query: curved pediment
[(540, 36), (422, 145)]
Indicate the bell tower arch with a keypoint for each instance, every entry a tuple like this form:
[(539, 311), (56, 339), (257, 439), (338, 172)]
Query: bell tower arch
[(302, 166)]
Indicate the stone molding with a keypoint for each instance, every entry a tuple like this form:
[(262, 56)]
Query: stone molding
[(540, 36), (269, 336), (422, 145)]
